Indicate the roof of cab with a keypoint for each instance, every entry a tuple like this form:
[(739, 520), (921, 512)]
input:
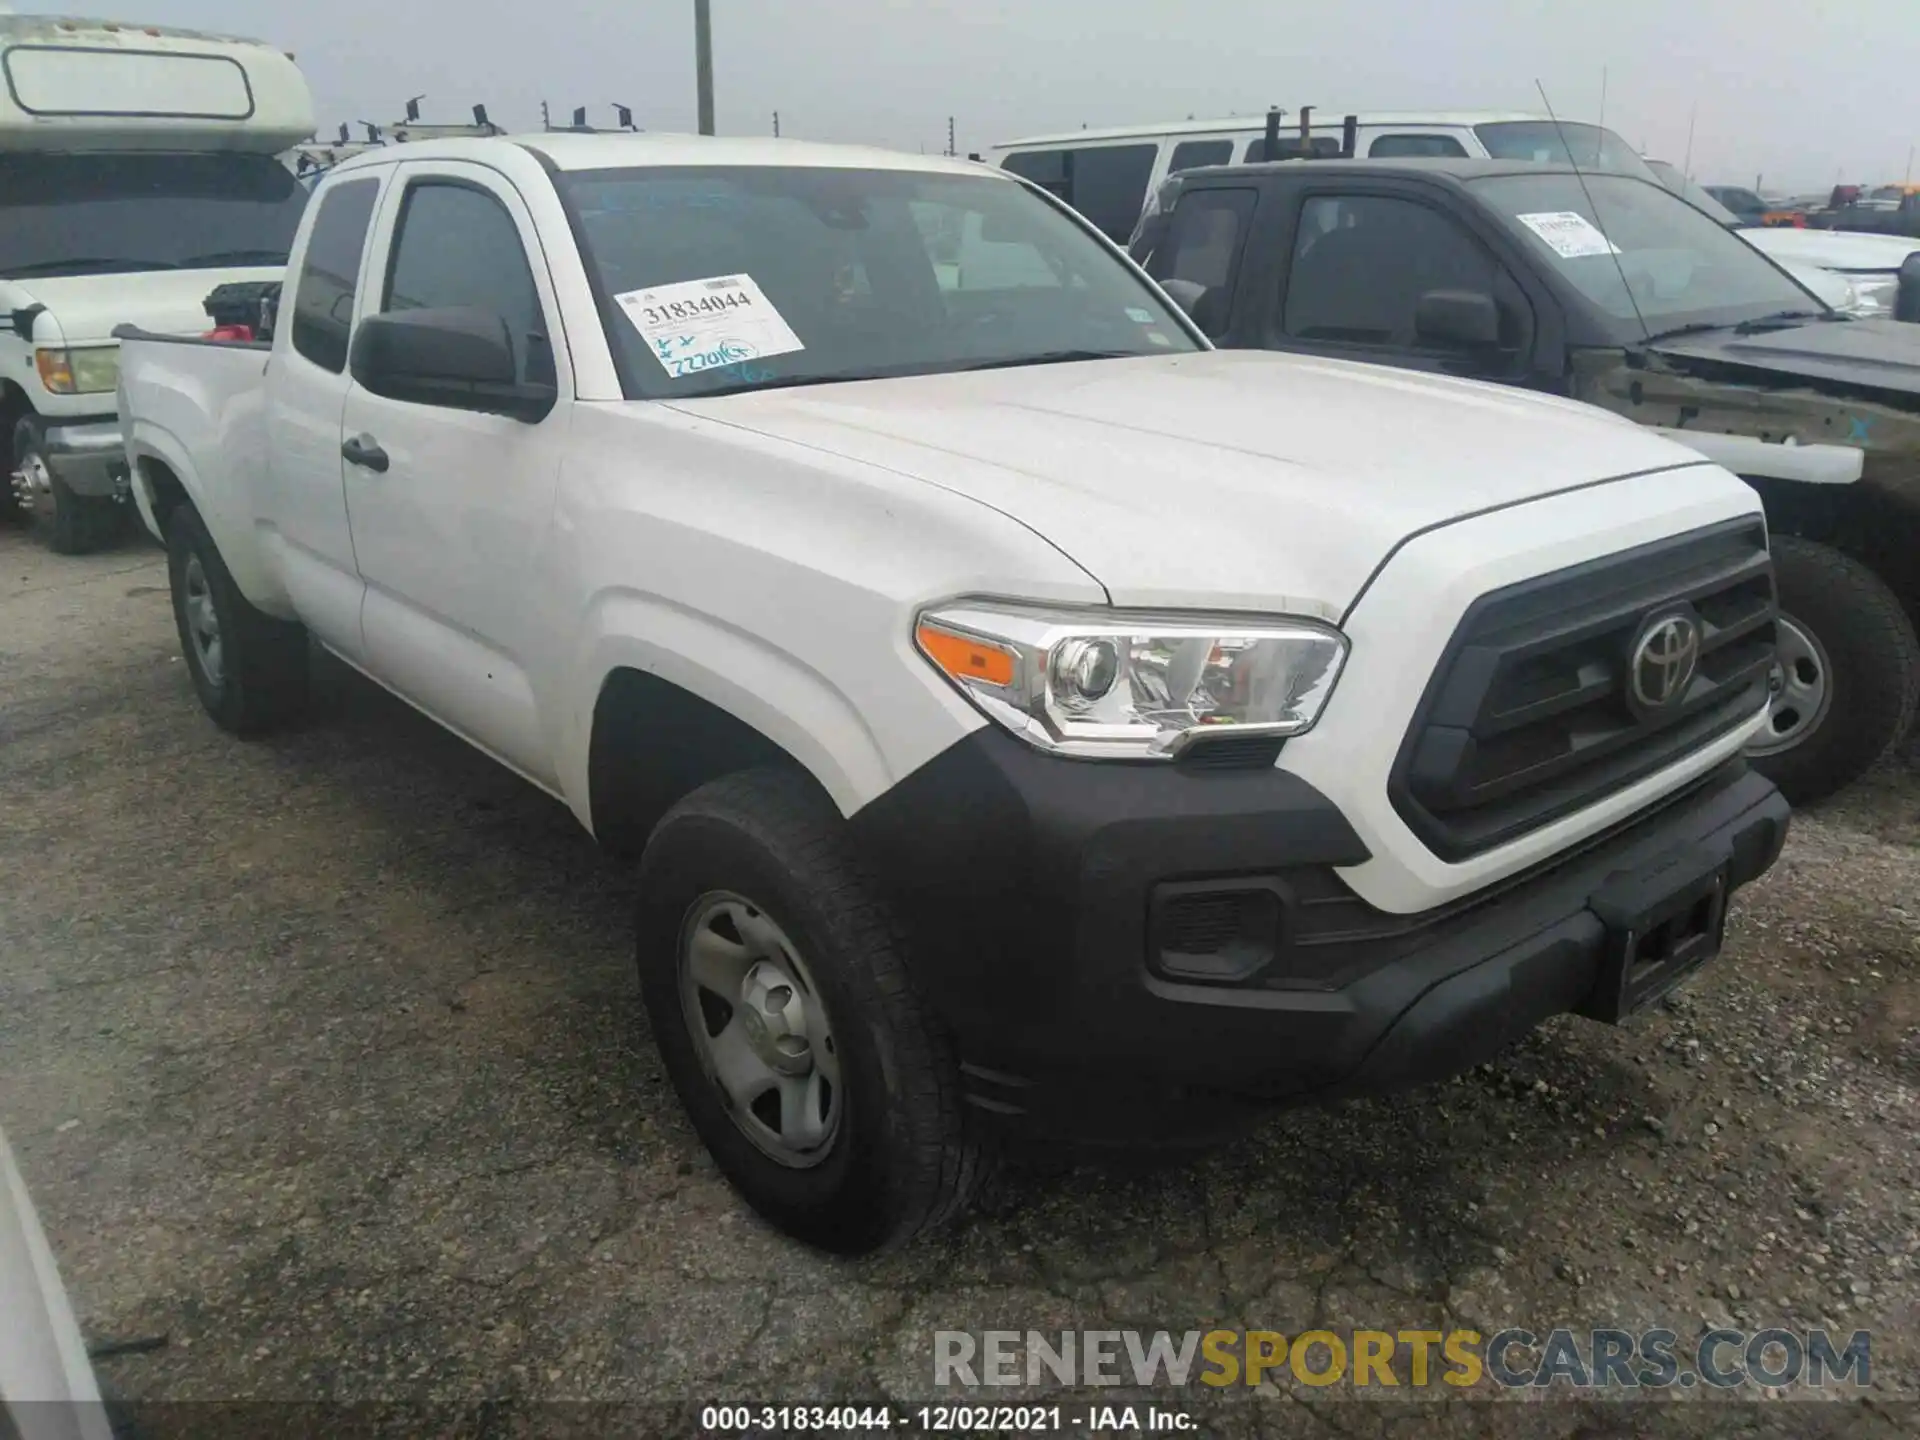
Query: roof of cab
[(1449, 168), (1329, 120), (15, 28), (566, 151)]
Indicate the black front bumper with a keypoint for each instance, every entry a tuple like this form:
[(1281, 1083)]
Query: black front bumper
[(1036, 891)]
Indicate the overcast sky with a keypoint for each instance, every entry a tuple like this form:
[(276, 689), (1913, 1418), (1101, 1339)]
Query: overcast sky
[(1780, 92)]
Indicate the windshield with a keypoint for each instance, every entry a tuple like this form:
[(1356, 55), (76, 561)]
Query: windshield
[(741, 278), (1684, 269), (1547, 142), (105, 214)]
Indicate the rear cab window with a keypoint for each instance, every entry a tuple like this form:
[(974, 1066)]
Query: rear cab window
[(330, 273)]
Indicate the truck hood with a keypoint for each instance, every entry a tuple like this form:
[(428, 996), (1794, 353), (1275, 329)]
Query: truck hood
[(1237, 480), (1832, 249), (1880, 356), (86, 308)]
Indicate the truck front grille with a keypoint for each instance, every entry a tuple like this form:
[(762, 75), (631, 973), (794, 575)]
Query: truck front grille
[(1534, 712)]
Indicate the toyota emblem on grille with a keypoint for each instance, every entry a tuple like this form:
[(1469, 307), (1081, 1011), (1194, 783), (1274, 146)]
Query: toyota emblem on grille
[(1665, 655)]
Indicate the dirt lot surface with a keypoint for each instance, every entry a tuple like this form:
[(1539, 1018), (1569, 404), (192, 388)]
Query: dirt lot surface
[(324, 1061)]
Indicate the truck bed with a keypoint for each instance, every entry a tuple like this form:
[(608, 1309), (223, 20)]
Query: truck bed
[(199, 405)]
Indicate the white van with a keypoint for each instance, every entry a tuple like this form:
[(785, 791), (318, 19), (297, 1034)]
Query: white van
[(137, 172), (1107, 174)]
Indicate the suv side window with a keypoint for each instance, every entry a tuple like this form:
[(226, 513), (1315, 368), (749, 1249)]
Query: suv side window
[(1416, 146), (1362, 262), (457, 247), (1110, 185), (1202, 248), (1196, 154), (1106, 183), (330, 274)]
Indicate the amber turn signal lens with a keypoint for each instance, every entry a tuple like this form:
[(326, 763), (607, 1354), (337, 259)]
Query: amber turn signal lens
[(965, 658)]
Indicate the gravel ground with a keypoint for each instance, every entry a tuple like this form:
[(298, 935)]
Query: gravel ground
[(324, 1061)]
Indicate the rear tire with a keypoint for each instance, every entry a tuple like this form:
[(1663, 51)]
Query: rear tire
[(249, 669), (1850, 672), (762, 857), (72, 524)]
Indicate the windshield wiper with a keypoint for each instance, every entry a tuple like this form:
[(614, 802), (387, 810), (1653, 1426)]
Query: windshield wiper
[(81, 266), (1698, 327), (786, 382), (1778, 318), (235, 257), (1050, 357)]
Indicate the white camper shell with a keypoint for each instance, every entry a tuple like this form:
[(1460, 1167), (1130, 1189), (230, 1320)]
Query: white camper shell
[(138, 171)]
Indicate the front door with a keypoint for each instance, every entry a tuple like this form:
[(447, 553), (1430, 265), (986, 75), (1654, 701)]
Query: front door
[(302, 501), (451, 509)]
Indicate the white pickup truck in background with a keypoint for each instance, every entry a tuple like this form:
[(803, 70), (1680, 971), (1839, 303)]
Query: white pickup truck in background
[(138, 171), (1023, 713)]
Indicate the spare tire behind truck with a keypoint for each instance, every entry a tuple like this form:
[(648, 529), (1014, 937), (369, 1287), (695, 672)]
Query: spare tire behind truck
[(1849, 673)]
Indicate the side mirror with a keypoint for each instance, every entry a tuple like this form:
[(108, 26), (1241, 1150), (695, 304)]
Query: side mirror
[(461, 359), (1458, 319), (1906, 303), (1187, 294)]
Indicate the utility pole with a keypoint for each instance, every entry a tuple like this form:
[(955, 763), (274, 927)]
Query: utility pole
[(1686, 167), (703, 62), (1601, 123), (1909, 179)]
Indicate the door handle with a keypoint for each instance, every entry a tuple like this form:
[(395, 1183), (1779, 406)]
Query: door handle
[(365, 451)]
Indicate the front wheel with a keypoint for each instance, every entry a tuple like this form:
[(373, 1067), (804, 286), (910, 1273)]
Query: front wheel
[(73, 524), (249, 669), (781, 1004), (1848, 675)]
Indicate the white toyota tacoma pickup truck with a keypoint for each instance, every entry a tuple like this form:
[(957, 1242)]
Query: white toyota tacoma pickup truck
[(1024, 715)]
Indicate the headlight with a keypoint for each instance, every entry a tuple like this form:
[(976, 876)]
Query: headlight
[(1123, 683), (89, 371), (1873, 296)]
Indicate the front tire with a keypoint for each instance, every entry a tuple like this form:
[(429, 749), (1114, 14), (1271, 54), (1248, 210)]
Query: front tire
[(73, 524), (249, 669), (779, 997), (1849, 673)]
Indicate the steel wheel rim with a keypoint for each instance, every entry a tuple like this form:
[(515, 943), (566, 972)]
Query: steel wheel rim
[(1801, 690), (203, 623), (760, 1027), (36, 490)]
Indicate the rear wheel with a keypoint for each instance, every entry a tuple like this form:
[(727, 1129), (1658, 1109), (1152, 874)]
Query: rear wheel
[(73, 524), (779, 998), (249, 669), (1848, 675)]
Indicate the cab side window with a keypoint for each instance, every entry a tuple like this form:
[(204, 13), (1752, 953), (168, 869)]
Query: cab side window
[(1200, 257), (1362, 262), (456, 247), (330, 274)]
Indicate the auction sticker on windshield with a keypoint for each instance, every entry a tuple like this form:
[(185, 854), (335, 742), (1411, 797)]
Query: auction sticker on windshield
[(1570, 234), (700, 325)]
